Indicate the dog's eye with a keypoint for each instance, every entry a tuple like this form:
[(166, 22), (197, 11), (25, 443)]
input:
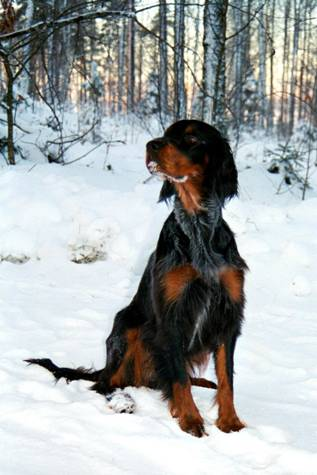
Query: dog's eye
[(191, 139)]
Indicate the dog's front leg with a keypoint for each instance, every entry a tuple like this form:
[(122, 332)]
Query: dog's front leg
[(184, 408), (227, 417), (175, 382)]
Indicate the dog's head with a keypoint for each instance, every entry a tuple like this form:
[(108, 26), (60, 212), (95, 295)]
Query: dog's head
[(193, 158)]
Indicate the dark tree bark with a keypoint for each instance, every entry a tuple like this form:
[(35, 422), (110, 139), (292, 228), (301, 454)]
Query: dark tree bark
[(282, 117), (262, 68), (131, 59), (270, 120), (296, 7), (179, 69), (195, 61), (7, 26), (163, 66), (239, 63), (120, 66), (9, 101), (140, 68)]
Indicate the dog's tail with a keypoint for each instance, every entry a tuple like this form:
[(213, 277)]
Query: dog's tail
[(68, 373)]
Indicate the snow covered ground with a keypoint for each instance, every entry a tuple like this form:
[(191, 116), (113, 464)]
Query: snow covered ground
[(53, 303)]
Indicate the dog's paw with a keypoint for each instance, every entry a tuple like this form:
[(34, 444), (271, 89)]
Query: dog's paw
[(192, 425), (121, 402), (232, 424)]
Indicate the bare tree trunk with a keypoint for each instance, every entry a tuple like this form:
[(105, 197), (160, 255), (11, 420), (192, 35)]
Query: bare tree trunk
[(294, 68), (270, 120), (140, 68), (214, 78), (302, 61), (282, 118), (195, 62), (131, 59), (314, 104), (311, 65), (7, 26), (220, 86), (179, 70), (9, 101), (262, 68), (239, 57), (27, 53), (120, 72), (163, 84), (209, 66), (54, 58)]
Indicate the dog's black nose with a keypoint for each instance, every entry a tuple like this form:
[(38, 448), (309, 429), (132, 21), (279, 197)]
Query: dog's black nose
[(155, 144)]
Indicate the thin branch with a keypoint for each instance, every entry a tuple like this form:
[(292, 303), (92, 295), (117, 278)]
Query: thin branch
[(60, 23), (247, 24), (104, 142)]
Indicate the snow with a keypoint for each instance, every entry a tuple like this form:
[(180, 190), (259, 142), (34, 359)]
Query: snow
[(74, 241)]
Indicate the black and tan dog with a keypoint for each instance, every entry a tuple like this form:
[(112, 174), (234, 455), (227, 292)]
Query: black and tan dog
[(190, 300)]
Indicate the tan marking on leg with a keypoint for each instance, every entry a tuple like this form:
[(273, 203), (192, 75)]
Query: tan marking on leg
[(142, 363), (227, 417), (184, 408)]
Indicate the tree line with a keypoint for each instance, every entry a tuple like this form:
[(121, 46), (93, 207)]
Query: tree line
[(242, 64)]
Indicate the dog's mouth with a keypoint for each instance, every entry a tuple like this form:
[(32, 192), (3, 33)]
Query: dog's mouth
[(154, 169)]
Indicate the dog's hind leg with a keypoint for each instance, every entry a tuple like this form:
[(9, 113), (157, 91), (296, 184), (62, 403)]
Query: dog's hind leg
[(128, 364), (121, 368)]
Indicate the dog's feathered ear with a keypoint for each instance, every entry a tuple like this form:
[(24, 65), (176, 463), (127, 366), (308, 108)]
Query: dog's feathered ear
[(222, 172), (167, 192), (228, 175)]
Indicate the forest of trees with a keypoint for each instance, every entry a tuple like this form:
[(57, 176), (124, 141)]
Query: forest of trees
[(242, 64)]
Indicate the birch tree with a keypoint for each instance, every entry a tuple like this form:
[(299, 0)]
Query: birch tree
[(120, 65), (131, 58), (292, 91), (272, 34), (214, 62), (197, 20), (285, 61), (239, 62), (163, 83), (179, 72), (25, 79), (54, 45)]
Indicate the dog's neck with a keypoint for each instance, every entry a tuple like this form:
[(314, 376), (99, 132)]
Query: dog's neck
[(200, 228)]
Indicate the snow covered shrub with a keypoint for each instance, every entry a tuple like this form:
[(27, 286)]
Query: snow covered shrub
[(287, 161), (86, 253), (293, 158), (88, 243), (18, 259)]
